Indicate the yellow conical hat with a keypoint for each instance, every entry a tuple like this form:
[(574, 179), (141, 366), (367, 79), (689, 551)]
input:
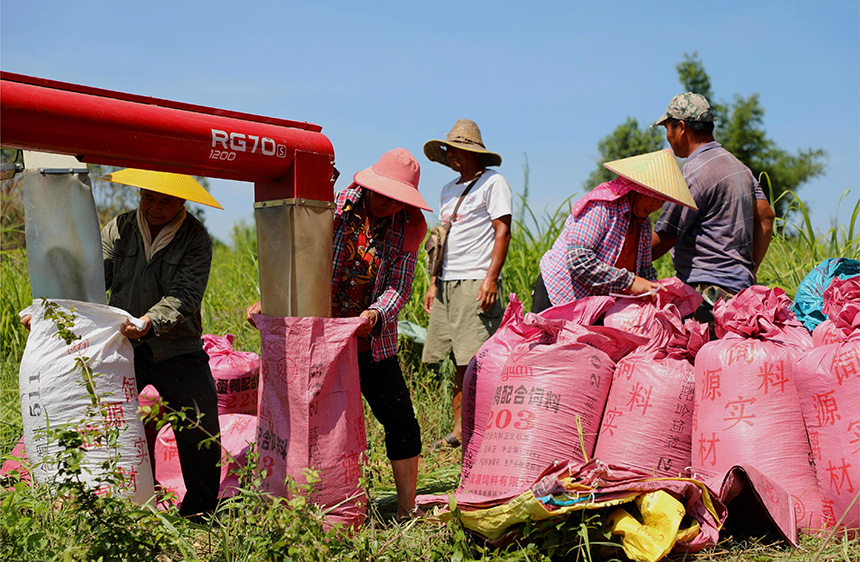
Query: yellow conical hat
[(177, 185), (657, 172)]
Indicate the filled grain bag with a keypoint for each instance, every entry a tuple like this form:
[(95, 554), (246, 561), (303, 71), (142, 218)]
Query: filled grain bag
[(746, 407), (55, 390), (648, 420), (840, 305), (826, 333), (486, 365), (237, 432), (236, 375), (636, 314), (552, 382), (310, 411), (482, 374), (828, 382), (15, 463)]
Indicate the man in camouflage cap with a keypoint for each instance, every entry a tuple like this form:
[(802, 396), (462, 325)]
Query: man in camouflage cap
[(718, 248), (689, 106)]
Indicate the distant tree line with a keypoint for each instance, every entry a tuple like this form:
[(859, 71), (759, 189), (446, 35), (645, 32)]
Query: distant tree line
[(739, 129)]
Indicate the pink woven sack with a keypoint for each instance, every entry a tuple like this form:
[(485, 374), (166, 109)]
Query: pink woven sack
[(480, 378), (482, 374), (841, 305), (746, 402), (236, 375), (150, 397), (762, 313), (237, 431), (828, 381), (16, 462), (647, 423), (826, 334), (559, 375), (310, 412), (637, 314)]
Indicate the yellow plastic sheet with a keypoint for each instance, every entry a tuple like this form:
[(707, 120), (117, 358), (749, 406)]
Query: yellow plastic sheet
[(495, 521), (647, 541), (653, 538)]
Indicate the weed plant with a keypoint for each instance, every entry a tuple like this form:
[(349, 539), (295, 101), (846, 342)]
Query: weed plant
[(38, 523)]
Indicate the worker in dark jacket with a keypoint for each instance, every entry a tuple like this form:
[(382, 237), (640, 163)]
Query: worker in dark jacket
[(157, 259)]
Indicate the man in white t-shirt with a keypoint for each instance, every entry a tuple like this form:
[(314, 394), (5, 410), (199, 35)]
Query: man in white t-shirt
[(465, 301)]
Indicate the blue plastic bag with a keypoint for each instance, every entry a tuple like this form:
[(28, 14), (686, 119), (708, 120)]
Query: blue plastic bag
[(809, 297)]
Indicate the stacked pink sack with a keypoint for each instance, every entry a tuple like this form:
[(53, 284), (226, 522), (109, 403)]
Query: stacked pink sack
[(237, 431), (547, 403), (747, 405), (828, 381), (647, 423), (484, 371), (236, 375)]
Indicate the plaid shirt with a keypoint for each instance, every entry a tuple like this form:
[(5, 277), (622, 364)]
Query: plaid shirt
[(581, 261), (393, 283)]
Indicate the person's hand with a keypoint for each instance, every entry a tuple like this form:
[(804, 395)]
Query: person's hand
[(255, 308), (130, 331), (372, 318), (487, 294), (25, 321), (641, 285), (429, 297)]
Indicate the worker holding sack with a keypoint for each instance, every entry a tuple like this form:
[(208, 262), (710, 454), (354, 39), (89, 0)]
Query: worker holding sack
[(378, 228), (605, 246), (157, 259)]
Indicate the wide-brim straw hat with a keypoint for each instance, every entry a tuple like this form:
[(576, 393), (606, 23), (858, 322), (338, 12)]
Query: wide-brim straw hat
[(464, 134), (176, 185), (395, 176), (658, 173)]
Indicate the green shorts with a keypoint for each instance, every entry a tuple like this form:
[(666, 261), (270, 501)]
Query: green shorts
[(457, 322)]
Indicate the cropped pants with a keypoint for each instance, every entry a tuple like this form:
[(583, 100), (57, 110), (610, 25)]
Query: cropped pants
[(387, 395)]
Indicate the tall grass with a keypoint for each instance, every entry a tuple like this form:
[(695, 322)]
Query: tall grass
[(15, 285), (233, 286), (797, 248), (15, 291)]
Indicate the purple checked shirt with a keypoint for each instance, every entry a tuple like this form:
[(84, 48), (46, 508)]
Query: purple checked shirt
[(394, 281), (581, 261)]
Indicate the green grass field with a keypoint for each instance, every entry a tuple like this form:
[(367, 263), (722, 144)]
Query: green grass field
[(36, 525)]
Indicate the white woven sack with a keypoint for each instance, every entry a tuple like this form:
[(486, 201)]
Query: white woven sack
[(53, 392)]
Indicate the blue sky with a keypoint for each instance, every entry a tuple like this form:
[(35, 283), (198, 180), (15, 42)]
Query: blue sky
[(547, 79)]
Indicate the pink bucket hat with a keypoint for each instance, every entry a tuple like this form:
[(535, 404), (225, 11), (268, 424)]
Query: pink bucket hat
[(395, 176)]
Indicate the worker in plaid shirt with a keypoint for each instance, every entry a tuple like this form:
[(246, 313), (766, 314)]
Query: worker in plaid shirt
[(605, 245), (378, 227)]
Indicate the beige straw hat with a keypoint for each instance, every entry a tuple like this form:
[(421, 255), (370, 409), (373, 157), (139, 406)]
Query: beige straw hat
[(464, 134), (657, 172), (176, 185)]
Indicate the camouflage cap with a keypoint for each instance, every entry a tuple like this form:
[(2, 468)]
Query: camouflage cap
[(687, 107)]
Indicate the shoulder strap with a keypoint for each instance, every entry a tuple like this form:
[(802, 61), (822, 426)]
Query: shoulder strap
[(465, 193)]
